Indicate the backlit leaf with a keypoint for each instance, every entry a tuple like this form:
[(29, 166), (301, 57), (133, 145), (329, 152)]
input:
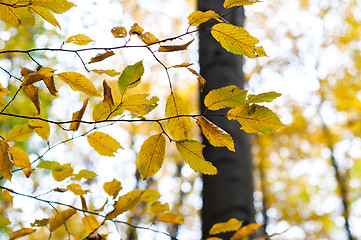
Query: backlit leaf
[(198, 17), (170, 218), (63, 172), (255, 118), (4, 221), (112, 188), (235, 39), (229, 96), (101, 56), (19, 133), (136, 30), (20, 157), (7, 196), (263, 97), (3, 91), (21, 233), (151, 156), (109, 72), (50, 165), (24, 15), (46, 14), (79, 82), (33, 93), (76, 189), (179, 127), (139, 103), (130, 76), (215, 135), (158, 208), (200, 79), (90, 223), (56, 6), (49, 82), (42, 128), (33, 77), (119, 32), (84, 174), (60, 218), (103, 143), (108, 96), (148, 38), (191, 152), (150, 196), (174, 48), (79, 39), (101, 112), (229, 226), (9, 16), (77, 116), (246, 231), (235, 3)]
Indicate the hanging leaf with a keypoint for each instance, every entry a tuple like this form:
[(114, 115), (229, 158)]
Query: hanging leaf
[(19, 133), (77, 116), (33, 77), (79, 39), (49, 82), (246, 231), (235, 39), (215, 135), (103, 143), (119, 32), (191, 152), (62, 172), (198, 17), (179, 127), (101, 112), (84, 174), (46, 14), (150, 196), (42, 128), (112, 188), (255, 118), (263, 97), (130, 77), (200, 79), (136, 30), (77, 189), (170, 218), (174, 48), (110, 72), (60, 218), (101, 56), (79, 82), (151, 156), (229, 226), (108, 96), (33, 93), (229, 96), (20, 157), (139, 104), (183, 65), (158, 208), (235, 3), (90, 223), (21, 233)]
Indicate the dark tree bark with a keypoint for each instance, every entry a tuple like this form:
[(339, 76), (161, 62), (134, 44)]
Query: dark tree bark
[(230, 193)]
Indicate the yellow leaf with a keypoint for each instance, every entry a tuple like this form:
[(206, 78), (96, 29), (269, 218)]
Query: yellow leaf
[(4, 221), (56, 6), (41, 128), (101, 56), (174, 48), (49, 82), (150, 195), (148, 38), (46, 14), (112, 188), (90, 223), (246, 231), (76, 189), (79, 82), (103, 143), (6, 195), (200, 79), (183, 65), (79, 39), (151, 156), (229, 226), (179, 127), (198, 17), (136, 30), (158, 208), (108, 96), (125, 203), (77, 116), (20, 157), (119, 32), (235, 3), (3, 91), (171, 218), (8, 16), (130, 77), (84, 174), (21, 233), (110, 72), (235, 39), (260, 52), (255, 118), (24, 16), (101, 112), (60, 218), (229, 96), (19, 133), (139, 104), (33, 93), (263, 97), (214, 238), (215, 135), (40, 222), (191, 152), (62, 172)]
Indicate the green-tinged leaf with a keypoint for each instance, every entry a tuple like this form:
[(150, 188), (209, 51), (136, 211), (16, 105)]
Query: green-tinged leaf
[(191, 152), (170, 218), (103, 143), (21, 233), (261, 98), (255, 118), (158, 208), (150, 196), (246, 231), (3, 91), (50, 165), (24, 16), (64, 171), (130, 76), (77, 116), (229, 96), (79, 39), (60, 218), (19, 133), (77, 189), (136, 30), (235, 3), (109, 72), (42, 128), (139, 103), (20, 157), (179, 127), (9, 16), (215, 135), (229, 226), (198, 17), (125, 203), (4, 221), (101, 112), (112, 188), (5, 162), (151, 156), (84, 174), (79, 82), (235, 39)]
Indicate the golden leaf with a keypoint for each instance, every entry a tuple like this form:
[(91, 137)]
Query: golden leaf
[(148, 38), (101, 112), (79, 39), (46, 14), (174, 48), (84, 174), (76, 189), (79, 82), (191, 152), (179, 127), (19, 133), (103, 143), (136, 30), (183, 65), (24, 15), (21, 233), (130, 77), (49, 82), (33, 93), (77, 116), (150, 196), (110, 72), (112, 188), (119, 32), (215, 135), (3, 91), (139, 104), (62, 172), (229, 96), (9, 16), (235, 3), (42, 128), (229, 226), (4, 221), (60, 218), (198, 17), (170, 218), (101, 56), (263, 97), (158, 208), (56, 6), (151, 156), (20, 157), (108, 96), (246, 231), (40, 222), (7, 196), (90, 223), (200, 79)]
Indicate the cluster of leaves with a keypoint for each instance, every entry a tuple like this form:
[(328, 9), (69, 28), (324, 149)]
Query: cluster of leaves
[(243, 107)]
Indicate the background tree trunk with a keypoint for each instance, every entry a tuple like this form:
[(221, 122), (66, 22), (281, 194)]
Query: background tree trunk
[(230, 193)]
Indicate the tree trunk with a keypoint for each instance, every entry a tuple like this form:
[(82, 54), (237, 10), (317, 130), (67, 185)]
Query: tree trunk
[(230, 193)]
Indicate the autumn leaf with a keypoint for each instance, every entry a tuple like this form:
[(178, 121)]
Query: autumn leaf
[(49, 82), (149, 196), (200, 79), (62, 172), (3, 91), (235, 3), (229, 226), (84, 174), (33, 77), (108, 96), (148, 38), (101, 112), (76, 189), (33, 93), (198, 17), (136, 30), (40, 222), (261, 98), (109, 72), (42, 128), (130, 77), (20, 157), (90, 223), (151, 156), (19, 133), (46, 14), (215, 135), (103, 143), (235, 39), (21, 233), (60, 218), (246, 231), (77, 116), (170, 218), (4, 221), (119, 32), (191, 152), (79, 82), (79, 39), (179, 127), (158, 208), (112, 188), (7, 196), (255, 118), (229, 96), (139, 104), (174, 48), (101, 56)]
